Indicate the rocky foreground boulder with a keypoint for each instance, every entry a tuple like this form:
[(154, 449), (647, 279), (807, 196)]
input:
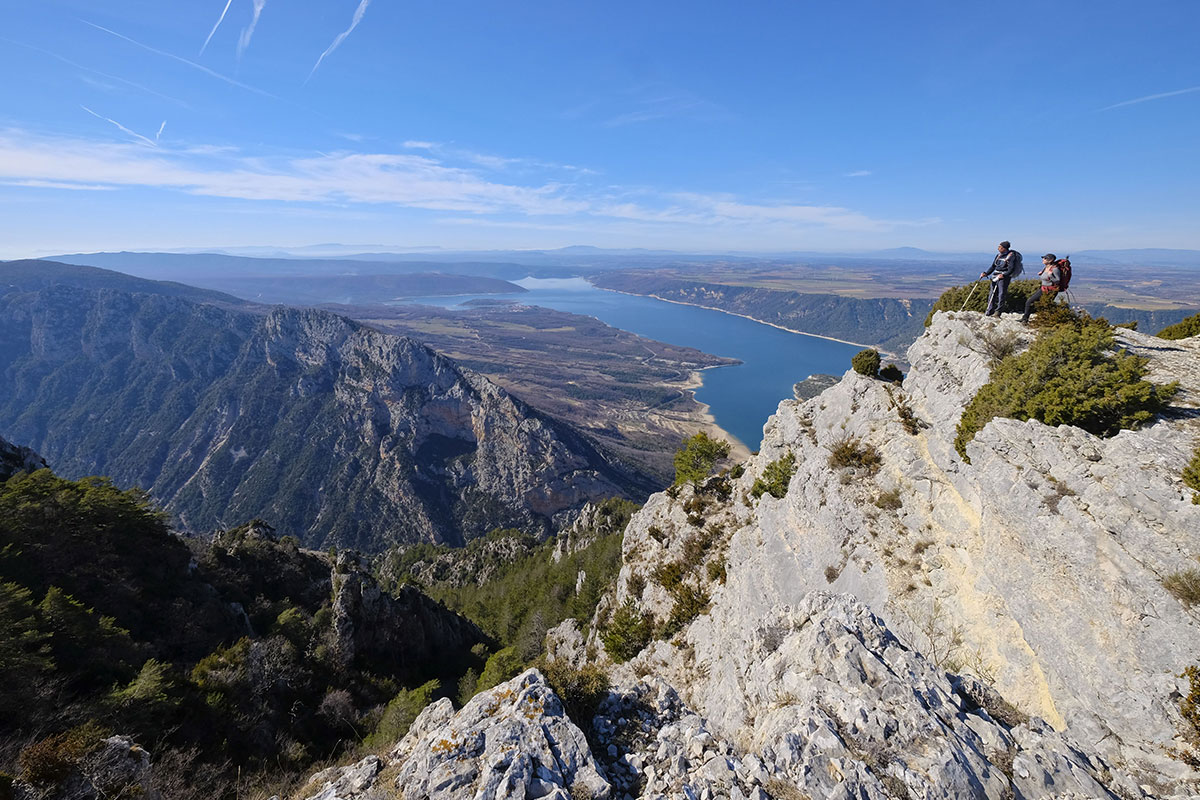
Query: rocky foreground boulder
[(511, 742), (1037, 568), (842, 709), (113, 767)]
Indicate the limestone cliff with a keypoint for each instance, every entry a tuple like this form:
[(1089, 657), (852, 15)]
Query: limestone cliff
[(322, 426), (1037, 567)]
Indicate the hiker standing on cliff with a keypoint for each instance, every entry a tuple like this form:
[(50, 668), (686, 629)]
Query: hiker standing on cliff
[(1005, 267), (1051, 276)]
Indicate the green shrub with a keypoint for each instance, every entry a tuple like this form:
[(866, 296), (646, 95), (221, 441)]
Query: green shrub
[(581, 690), (1184, 585), (400, 714), (889, 500), (690, 603), (1182, 330), (850, 451), (48, 761), (668, 575), (84, 641), (866, 362), (695, 461), (1189, 709), (627, 634), (293, 625), (716, 570), (891, 373), (23, 644), (149, 689), (1051, 315), (502, 666), (776, 477), (1191, 476), (1131, 325), (953, 298), (466, 686), (1068, 377), (997, 345)]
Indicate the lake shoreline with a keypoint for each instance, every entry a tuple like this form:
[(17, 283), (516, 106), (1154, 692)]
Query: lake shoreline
[(887, 353), (738, 450)]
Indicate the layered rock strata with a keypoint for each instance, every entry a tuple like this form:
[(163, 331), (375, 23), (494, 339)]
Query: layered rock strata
[(1037, 567)]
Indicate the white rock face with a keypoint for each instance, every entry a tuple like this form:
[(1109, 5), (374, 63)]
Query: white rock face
[(836, 707), (511, 742), (1037, 567)]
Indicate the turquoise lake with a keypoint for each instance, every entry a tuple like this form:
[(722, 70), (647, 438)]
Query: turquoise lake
[(740, 397)]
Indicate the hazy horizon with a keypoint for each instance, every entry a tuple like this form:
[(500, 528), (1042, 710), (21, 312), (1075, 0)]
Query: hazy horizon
[(723, 128)]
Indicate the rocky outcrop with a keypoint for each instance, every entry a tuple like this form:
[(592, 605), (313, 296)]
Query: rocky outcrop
[(16, 458), (511, 742), (321, 426), (1037, 568), (406, 630), (115, 767), (830, 704), (836, 707)]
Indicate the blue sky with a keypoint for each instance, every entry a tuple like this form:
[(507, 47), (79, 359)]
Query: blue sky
[(690, 126)]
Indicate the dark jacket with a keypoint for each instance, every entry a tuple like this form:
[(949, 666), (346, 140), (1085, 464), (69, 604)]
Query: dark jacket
[(1005, 265)]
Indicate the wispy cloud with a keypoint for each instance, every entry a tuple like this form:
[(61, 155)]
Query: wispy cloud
[(122, 127), (76, 187), (248, 32), (646, 103), (341, 37), (488, 160), (858, 173), (158, 135), (220, 19), (410, 180), (1150, 97), (182, 60)]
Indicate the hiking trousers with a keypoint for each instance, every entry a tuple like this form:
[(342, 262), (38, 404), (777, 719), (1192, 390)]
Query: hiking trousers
[(997, 296), (1033, 298)]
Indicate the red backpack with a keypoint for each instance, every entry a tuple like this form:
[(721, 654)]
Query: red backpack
[(1064, 269)]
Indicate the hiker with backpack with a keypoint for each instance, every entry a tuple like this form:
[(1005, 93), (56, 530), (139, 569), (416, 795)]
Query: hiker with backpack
[(1005, 266), (1055, 275)]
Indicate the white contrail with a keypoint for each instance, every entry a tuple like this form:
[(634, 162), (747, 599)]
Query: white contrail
[(341, 37), (1150, 97), (183, 60), (158, 135), (119, 125), (244, 39), (116, 78), (228, 3)]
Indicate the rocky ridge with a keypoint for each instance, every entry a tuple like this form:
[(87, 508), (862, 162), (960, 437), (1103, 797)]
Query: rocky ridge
[(1036, 568), (511, 742), (322, 426), (17, 458), (844, 711)]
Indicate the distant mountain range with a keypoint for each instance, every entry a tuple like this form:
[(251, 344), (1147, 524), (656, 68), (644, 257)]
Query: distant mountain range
[(576, 255), (334, 431)]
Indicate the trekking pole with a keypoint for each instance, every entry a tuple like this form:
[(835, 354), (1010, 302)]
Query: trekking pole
[(969, 294)]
